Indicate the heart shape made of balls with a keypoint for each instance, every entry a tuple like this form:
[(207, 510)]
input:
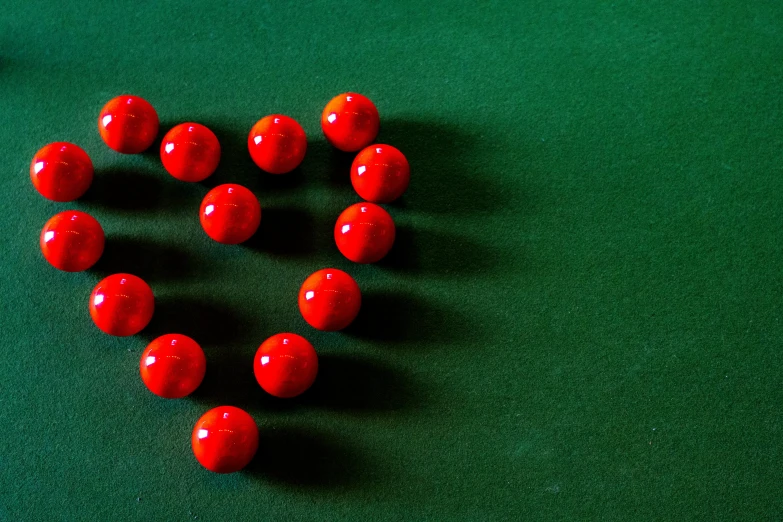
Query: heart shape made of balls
[(225, 438)]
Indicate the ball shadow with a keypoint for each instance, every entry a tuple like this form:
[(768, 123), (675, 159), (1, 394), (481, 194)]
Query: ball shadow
[(228, 340), (229, 378), (280, 182), (235, 165), (153, 152), (124, 189), (357, 385), (418, 250), (284, 231), (445, 176), (404, 255), (323, 161), (206, 321), (147, 259), (403, 318), (298, 458)]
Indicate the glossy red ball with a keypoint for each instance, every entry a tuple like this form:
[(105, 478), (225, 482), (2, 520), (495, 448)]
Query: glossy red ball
[(61, 171), (128, 124), (190, 152), (380, 173), (122, 305), (277, 144), (329, 299), (173, 366), (72, 241), (364, 233), (350, 121), (225, 439), (285, 365), (230, 214)]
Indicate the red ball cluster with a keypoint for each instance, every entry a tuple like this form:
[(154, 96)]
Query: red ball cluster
[(225, 439)]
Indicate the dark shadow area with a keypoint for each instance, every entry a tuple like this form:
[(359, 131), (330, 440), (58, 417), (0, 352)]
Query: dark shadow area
[(153, 152), (326, 162), (296, 457), (418, 250), (229, 378), (149, 260), (347, 383), (125, 189), (280, 182), (235, 165), (404, 255), (445, 176), (206, 320), (406, 318), (229, 342), (284, 231)]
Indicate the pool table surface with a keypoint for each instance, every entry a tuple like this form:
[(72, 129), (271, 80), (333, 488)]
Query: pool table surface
[(580, 318)]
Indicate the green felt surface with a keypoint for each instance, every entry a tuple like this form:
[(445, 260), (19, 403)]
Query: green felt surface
[(580, 319)]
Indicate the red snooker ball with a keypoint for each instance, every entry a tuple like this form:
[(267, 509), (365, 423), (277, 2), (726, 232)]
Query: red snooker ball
[(72, 241), (128, 124), (277, 144), (285, 365), (225, 439), (61, 171), (230, 214), (380, 173), (122, 305), (350, 121), (190, 152), (173, 366), (329, 299), (364, 233)]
